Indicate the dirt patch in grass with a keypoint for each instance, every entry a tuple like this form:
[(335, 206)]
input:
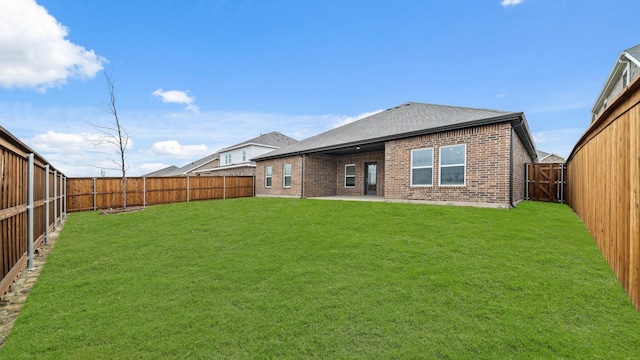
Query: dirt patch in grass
[(121, 210)]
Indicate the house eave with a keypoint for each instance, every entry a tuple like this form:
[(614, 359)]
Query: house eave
[(616, 71)]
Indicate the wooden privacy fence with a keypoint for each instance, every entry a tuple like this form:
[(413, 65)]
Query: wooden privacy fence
[(546, 182), (604, 168), (31, 205), (105, 193)]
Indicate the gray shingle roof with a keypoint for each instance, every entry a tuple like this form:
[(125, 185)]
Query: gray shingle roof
[(273, 138), (162, 172), (408, 119), (194, 165), (634, 51)]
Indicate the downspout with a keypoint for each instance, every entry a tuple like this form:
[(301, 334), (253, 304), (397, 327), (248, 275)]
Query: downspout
[(513, 129)]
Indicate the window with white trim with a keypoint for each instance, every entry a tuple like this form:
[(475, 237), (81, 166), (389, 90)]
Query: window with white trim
[(349, 175), (227, 158), (286, 178), (453, 165), (422, 167), (268, 171), (244, 155)]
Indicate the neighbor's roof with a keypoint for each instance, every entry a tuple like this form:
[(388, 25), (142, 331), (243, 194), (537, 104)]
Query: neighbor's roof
[(634, 52), (162, 172), (192, 166), (543, 155), (273, 139), (409, 119)]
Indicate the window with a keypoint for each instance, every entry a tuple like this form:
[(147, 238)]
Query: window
[(227, 158), (453, 164), (349, 175), (286, 179), (244, 155), (267, 176), (422, 167)]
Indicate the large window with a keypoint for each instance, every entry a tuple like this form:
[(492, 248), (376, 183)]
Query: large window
[(267, 176), (422, 167), (286, 178), (349, 175), (227, 158), (244, 155), (453, 165)]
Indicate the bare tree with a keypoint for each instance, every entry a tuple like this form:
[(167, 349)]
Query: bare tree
[(114, 134)]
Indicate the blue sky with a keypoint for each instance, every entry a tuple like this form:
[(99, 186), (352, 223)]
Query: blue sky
[(192, 77)]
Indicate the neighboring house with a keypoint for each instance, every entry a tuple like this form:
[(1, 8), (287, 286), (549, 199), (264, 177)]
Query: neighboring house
[(192, 168), (415, 151), (549, 158), (162, 172), (236, 160), (625, 69)]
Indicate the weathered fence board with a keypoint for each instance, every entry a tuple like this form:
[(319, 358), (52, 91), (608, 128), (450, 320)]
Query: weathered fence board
[(546, 182), (15, 233), (105, 193), (604, 169)]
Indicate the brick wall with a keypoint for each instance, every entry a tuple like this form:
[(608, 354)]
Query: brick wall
[(359, 161), (277, 188), (520, 158), (319, 175), (487, 170)]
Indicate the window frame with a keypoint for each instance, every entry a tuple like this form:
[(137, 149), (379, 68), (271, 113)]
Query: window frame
[(464, 166), (268, 176), (412, 167), (285, 176), (346, 176)]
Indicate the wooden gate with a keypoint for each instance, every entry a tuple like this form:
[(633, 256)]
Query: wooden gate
[(546, 182)]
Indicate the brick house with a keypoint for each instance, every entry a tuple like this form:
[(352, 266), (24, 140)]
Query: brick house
[(413, 152)]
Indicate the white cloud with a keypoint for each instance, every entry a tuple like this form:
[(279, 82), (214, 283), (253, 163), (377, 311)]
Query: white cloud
[(559, 141), (172, 148), (350, 119), (151, 167), (53, 141), (510, 2), (76, 154), (178, 97), (35, 51)]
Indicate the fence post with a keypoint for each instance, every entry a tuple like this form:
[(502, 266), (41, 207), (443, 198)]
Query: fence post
[(30, 215), (47, 201), (94, 195), (55, 200), (224, 187), (61, 184), (562, 183), (526, 186), (144, 192), (65, 198)]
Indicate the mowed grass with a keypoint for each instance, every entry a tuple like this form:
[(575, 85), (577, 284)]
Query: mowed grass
[(291, 278)]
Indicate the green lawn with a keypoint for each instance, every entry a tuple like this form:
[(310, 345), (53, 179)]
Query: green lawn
[(290, 278)]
